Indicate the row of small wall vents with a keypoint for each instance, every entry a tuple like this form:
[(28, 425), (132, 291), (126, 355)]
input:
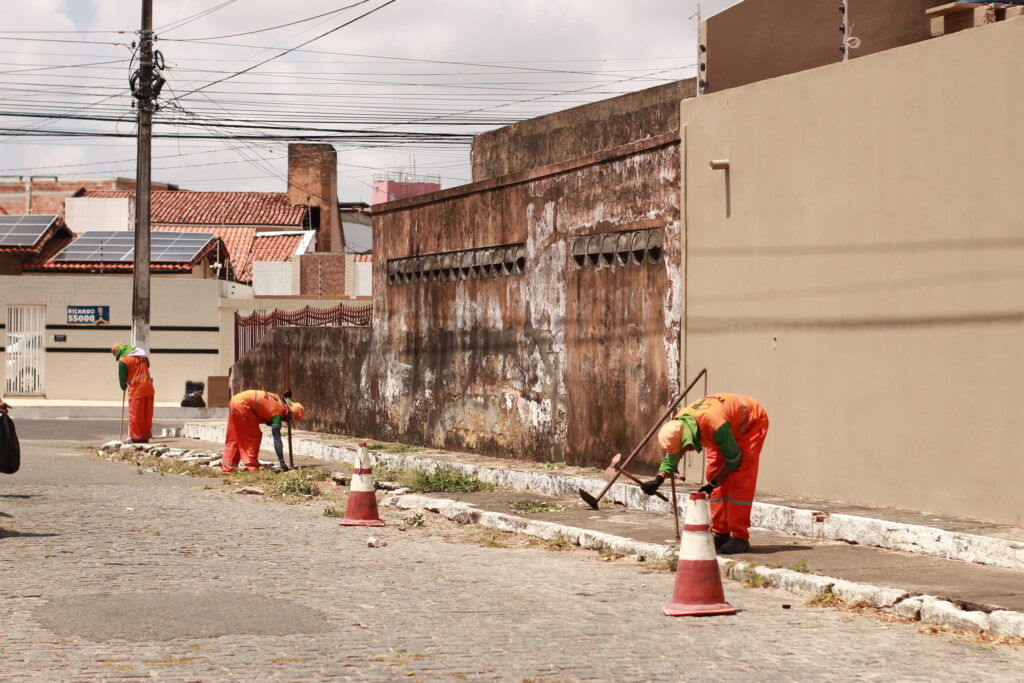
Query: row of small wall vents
[(632, 248), (469, 264)]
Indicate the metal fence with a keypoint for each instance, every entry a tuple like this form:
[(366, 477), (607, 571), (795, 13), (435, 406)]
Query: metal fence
[(250, 329)]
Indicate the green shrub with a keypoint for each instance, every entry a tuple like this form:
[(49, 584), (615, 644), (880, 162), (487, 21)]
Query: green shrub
[(448, 480), (299, 487), (316, 474), (559, 542)]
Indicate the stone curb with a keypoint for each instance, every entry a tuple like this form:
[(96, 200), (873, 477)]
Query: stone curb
[(913, 538), (923, 608)]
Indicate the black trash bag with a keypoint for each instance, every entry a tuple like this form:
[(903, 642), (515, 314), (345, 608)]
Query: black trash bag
[(10, 449), (193, 395)]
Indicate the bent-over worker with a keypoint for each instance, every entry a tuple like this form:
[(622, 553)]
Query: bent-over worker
[(730, 430), (133, 373), (247, 411)]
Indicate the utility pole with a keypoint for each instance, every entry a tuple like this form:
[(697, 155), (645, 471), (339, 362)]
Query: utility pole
[(144, 96)]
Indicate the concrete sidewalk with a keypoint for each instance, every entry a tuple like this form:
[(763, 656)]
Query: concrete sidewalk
[(959, 593)]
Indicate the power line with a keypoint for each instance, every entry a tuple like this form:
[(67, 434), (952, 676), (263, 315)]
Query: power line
[(198, 15), (274, 28), (269, 59)]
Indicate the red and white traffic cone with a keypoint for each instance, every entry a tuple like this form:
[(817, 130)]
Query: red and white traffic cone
[(698, 584), (361, 509)]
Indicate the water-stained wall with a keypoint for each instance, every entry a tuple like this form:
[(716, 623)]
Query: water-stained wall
[(530, 316), (535, 315)]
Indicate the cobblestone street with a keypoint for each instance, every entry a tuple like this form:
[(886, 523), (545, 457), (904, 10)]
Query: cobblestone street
[(110, 574)]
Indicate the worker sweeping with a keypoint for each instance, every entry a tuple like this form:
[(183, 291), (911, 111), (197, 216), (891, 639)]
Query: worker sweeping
[(247, 411), (730, 430), (133, 373)]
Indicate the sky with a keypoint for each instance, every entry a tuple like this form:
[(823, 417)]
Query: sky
[(401, 88)]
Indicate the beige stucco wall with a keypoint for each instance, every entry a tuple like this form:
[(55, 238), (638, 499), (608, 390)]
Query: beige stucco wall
[(859, 270), (91, 374)]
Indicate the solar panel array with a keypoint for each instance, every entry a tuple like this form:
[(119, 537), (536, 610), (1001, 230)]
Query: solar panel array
[(23, 231), (110, 246)]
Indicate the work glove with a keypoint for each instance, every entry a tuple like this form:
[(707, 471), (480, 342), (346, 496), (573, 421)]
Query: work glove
[(707, 488), (288, 395), (651, 487)]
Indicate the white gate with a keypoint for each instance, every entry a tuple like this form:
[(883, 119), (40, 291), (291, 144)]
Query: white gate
[(26, 326)]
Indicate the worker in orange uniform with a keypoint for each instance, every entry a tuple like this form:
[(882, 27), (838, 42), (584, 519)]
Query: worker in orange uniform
[(730, 430), (133, 372), (247, 411)]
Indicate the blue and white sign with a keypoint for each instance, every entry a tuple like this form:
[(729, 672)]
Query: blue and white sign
[(88, 315)]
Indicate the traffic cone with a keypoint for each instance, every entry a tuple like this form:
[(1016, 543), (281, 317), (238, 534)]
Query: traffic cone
[(361, 509), (698, 584)]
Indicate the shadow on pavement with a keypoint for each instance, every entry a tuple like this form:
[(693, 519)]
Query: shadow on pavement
[(772, 549), (7, 533)]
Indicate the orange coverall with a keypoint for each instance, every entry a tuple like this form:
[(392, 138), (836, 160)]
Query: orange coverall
[(246, 412), (140, 398), (732, 429)]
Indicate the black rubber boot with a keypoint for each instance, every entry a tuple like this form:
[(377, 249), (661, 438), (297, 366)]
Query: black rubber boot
[(734, 546), (720, 539)]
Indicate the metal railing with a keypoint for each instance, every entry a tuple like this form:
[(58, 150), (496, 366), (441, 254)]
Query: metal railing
[(250, 329)]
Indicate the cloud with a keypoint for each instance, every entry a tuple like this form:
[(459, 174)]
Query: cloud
[(507, 44)]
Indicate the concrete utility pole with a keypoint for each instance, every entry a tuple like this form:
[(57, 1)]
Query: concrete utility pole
[(144, 97)]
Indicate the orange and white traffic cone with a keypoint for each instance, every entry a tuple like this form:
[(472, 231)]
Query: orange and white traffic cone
[(361, 509), (698, 584)]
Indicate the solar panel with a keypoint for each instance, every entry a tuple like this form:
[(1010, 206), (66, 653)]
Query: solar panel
[(24, 231), (108, 246)]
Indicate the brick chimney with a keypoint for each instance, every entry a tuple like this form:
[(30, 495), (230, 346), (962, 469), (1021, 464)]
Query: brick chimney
[(313, 182)]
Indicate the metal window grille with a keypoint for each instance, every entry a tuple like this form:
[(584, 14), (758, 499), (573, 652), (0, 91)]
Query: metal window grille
[(250, 329)]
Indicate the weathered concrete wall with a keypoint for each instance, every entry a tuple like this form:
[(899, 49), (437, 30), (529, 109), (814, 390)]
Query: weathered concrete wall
[(859, 270), (577, 132), (758, 39), (331, 375), (549, 359)]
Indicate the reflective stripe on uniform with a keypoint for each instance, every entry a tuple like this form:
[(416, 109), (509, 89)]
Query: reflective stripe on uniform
[(731, 500)]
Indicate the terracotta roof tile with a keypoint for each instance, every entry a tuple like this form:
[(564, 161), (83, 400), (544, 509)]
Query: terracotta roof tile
[(216, 208), (237, 241), (270, 247), (364, 258)]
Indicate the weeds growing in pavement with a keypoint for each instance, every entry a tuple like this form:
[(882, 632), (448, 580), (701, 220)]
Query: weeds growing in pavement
[(316, 474), (825, 598), (609, 555), (755, 579), (560, 542), (800, 566), (392, 447), (664, 564), (414, 522), (533, 506), (448, 480), (296, 486), (551, 465), (331, 511), (390, 474)]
